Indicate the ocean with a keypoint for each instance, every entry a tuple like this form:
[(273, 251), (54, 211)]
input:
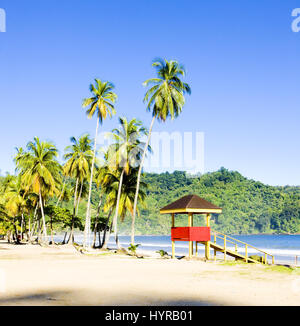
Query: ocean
[(285, 248)]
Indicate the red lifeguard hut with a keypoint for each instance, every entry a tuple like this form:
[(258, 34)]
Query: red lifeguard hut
[(190, 205)]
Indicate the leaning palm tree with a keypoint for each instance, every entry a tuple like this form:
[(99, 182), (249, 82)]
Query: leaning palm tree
[(40, 172), (101, 103), (164, 99), (124, 154), (79, 158)]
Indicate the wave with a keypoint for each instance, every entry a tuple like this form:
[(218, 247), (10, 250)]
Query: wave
[(272, 251), (154, 246)]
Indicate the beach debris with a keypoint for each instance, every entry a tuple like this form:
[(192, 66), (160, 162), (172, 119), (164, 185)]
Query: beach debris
[(257, 258)]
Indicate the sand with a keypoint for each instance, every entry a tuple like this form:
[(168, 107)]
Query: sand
[(60, 275)]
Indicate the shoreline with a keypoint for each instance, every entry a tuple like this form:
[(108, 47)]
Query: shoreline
[(286, 256), (61, 275)]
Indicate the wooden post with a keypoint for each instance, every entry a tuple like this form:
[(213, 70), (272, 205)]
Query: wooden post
[(208, 217), (196, 249), (246, 253), (224, 247), (190, 242), (207, 243), (266, 259), (173, 242), (215, 251)]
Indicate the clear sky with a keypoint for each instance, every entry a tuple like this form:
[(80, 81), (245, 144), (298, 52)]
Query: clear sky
[(241, 57)]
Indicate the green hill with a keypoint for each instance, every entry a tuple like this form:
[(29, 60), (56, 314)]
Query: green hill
[(248, 206)]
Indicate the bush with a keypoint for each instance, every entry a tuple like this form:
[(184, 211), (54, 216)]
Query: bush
[(162, 253), (133, 248)]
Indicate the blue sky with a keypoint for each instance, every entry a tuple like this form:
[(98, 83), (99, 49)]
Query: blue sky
[(241, 57)]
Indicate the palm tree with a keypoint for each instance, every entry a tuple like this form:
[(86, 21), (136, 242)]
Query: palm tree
[(101, 103), (124, 154), (164, 99), (79, 158), (103, 180), (15, 203), (40, 172), (128, 191)]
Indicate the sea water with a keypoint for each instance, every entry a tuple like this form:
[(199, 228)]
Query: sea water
[(285, 248)]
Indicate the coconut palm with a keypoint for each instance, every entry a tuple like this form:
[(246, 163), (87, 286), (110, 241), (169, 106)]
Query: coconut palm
[(165, 98), (124, 154), (40, 172), (79, 158), (103, 180), (15, 203), (101, 103), (32, 204), (65, 194), (128, 191)]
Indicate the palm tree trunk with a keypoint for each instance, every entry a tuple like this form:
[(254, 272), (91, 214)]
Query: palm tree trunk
[(99, 239), (139, 180), (39, 232), (70, 241), (26, 230), (51, 226), (87, 218), (105, 239), (96, 224), (95, 237), (79, 198), (22, 224), (34, 220), (64, 240), (43, 216), (61, 194), (16, 232), (29, 228), (115, 221)]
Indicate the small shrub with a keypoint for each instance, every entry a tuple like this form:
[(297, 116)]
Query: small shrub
[(162, 253), (133, 248)]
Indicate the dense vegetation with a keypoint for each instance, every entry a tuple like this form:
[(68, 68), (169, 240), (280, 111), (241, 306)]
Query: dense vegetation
[(248, 206)]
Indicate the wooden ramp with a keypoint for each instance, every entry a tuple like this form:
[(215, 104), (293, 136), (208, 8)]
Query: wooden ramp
[(233, 254), (224, 243)]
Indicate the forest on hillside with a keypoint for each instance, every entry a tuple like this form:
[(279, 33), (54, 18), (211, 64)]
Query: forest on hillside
[(249, 207)]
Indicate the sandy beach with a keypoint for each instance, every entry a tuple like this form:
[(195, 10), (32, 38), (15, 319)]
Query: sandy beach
[(60, 275)]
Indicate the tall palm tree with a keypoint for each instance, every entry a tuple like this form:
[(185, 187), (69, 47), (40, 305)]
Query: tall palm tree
[(124, 154), (164, 99), (40, 172), (101, 103), (79, 158)]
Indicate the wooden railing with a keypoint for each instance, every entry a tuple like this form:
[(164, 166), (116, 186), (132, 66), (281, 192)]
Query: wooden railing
[(227, 239)]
